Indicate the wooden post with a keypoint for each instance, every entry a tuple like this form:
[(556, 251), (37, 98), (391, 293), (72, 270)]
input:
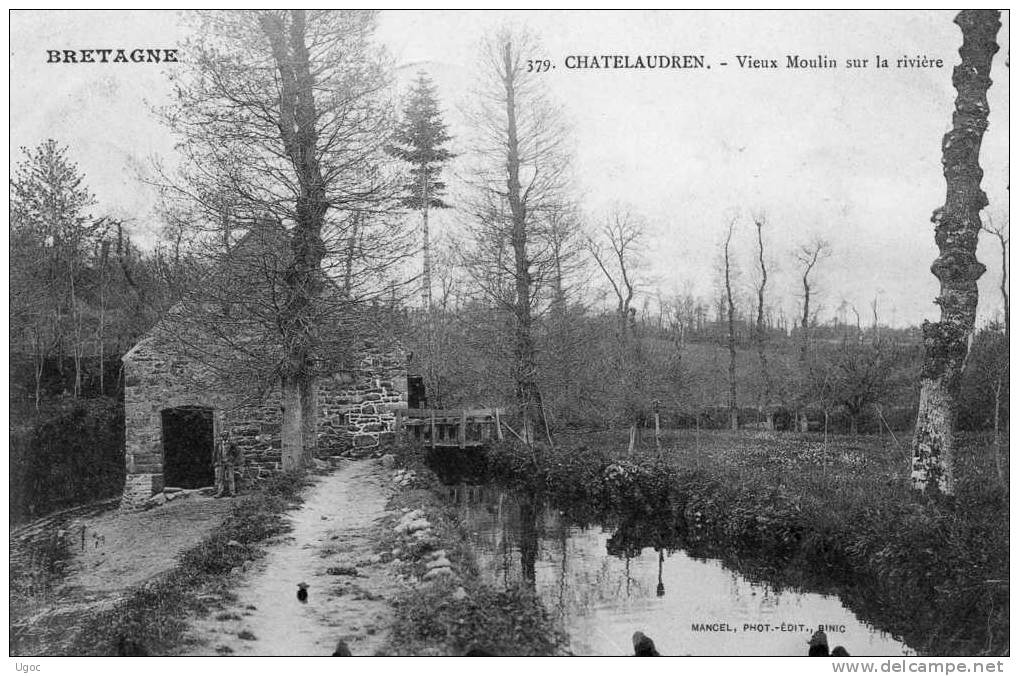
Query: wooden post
[(398, 422), (498, 426), (658, 432), (462, 432), (433, 428)]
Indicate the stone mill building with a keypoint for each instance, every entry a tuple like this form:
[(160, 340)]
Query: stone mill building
[(172, 416)]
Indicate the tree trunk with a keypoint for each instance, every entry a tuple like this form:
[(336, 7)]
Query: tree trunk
[(528, 540), (76, 348), (102, 369), (292, 434), (1004, 281), (39, 361), (733, 411), (304, 277), (1002, 479), (348, 272), (957, 227), (38, 383), (933, 440), (426, 275), (761, 334), (805, 321), (101, 328), (524, 352), (309, 419)]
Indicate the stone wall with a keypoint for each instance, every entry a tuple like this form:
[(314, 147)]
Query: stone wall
[(355, 411), (356, 408), (257, 431), (153, 382)]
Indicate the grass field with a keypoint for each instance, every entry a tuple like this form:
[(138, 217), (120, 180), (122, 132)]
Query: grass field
[(842, 472)]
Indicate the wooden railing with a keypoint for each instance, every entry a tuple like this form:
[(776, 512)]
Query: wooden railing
[(461, 428)]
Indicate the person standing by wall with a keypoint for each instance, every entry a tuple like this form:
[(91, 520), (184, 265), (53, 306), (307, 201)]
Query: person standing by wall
[(227, 457)]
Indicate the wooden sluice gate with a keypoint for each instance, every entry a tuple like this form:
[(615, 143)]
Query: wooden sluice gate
[(450, 428)]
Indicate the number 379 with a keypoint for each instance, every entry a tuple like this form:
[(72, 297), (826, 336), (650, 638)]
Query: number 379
[(539, 65)]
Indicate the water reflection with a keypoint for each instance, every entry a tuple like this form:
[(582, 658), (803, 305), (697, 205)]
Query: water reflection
[(660, 589), (606, 581), (528, 540)]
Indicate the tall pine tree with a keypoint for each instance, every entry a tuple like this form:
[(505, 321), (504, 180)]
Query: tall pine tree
[(419, 140)]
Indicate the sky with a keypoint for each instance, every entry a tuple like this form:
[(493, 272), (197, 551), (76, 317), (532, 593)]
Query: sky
[(849, 155)]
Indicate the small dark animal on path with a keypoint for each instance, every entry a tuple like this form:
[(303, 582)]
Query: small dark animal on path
[(342, 650), (302, 592), (839, 651), (128, 647), (479, 652), (643, 646), (818, 645)]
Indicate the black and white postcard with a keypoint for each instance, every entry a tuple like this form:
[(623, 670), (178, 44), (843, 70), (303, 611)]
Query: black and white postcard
[(510, 333)]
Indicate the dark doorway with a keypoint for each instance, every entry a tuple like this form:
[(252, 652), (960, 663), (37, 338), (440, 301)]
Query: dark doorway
[(416, 392), (187, 447)]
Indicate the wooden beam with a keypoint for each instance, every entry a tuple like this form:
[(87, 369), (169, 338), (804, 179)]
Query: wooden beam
[(426, 413), (462, 430)]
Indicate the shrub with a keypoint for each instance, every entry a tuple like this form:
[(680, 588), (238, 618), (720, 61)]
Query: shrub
[(66, 456), (509, 622)]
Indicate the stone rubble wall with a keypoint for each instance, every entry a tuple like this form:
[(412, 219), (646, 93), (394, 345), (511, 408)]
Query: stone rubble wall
[(257, 429), (355, 413), (154, 382), (356, 409)]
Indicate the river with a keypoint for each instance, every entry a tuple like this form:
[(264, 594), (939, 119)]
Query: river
[(687, 605)]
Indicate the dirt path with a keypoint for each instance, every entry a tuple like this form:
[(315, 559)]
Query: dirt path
[(123, 549), (137, 546), (333, 534)]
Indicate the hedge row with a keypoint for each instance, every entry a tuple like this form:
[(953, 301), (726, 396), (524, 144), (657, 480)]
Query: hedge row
[(69, 454)]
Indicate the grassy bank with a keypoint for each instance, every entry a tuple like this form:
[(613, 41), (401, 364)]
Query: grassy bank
[(464, 613), (836, 517), (154, 615)]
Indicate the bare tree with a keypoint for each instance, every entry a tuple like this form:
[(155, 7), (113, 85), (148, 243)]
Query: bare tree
[(282, 124), (859, 327), (957, 228), (761, 334), (565, 342), (521, 175), (1000, 375), (808, 256), (731, 322), (1000, 232), (618, 251)]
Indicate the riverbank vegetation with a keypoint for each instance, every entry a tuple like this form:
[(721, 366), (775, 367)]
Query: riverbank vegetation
[(456, 616), (792, 510)]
